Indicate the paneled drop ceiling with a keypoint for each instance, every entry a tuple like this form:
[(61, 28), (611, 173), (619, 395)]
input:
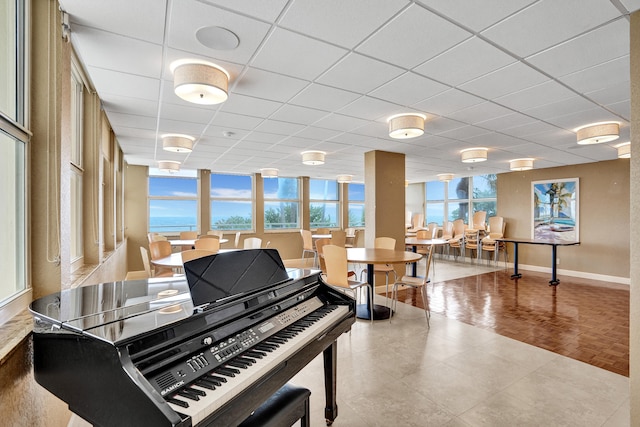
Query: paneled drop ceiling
[(517, 77)]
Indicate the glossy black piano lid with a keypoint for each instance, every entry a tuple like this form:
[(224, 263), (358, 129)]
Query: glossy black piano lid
[(215, 278)]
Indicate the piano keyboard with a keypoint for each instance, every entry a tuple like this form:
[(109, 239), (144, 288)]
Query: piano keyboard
[(212, 390)]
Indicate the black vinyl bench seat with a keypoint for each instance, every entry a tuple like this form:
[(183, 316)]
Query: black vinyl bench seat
[(284, 408)]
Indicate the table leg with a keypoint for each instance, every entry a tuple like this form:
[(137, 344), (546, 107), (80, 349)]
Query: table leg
[(515, 274), (554, 280), (364, 311), (414, 266)]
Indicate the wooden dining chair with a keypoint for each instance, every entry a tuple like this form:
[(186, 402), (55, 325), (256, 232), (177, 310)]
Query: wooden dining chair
[(338, 237), (190, 254), (237, 240), (337, 270), (307, 247), (383, 243), (208, 244), (160, 249), (323, 231), (188, 235), (252, 243), (219, 234), (416, 283)]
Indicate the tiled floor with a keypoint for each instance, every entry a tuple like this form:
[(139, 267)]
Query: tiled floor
[(402, 373)]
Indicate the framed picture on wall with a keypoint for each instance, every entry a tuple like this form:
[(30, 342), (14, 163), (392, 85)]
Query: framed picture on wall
[(555, 209)]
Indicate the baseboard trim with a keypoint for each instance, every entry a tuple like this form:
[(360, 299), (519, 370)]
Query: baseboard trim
[(580, 274)]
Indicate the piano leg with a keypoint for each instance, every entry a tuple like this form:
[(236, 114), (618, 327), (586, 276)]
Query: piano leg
[(330, 356)]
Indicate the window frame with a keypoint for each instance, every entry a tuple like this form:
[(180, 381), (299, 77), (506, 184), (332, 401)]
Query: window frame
[(325, 201), (183, 174), (351, 201), (251, 199), (297, 200)]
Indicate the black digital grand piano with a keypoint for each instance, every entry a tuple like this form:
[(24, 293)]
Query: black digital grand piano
[(205, 351)]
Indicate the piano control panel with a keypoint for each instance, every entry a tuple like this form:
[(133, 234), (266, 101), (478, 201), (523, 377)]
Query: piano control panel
[(198, 364)]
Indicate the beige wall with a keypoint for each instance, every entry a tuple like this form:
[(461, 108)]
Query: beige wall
[(603, 217)]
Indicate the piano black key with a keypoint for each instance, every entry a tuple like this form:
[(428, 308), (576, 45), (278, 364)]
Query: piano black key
[(217, 378), (278, 339), (188, 394), (246, 359), (266, 348), (227, 371), (205, 383), (238, 364), (256, 354), (196, 391), (178, 402)]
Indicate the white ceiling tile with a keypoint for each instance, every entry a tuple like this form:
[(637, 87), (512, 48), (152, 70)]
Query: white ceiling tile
[(438, 125), (631, 5), (319, 134), (617, 92), (480, 112), (465, 132), (477, 15), (555, 109), (575, 120), (340, 122), (144, 19), (110, 51), (250, 106), (622, 108), (596, 47), (344, 23), (300, 115), (187, 17), (408, 89), (264, 9), (504, 122), (284, 49), (369, 108), (359, 74), (127, 105), (535, 96), (186, 114), (282, 128), (324, 97), (548, 22), (237, 121), (511, 78), (532, 128), (269, 86), (424, 34), (599, 76), (109, 82), (468, 60), (447, 102)]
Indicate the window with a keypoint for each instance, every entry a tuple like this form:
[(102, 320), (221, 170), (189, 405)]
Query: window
[(484, 194), (356, 205), (13, 138), (323, 203), (452, 201), (231, 202), (458, 195), (173, 201), (281, 203), (435, 198), (76, 166)]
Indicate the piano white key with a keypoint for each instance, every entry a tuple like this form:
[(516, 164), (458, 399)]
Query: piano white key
[(198, 410)]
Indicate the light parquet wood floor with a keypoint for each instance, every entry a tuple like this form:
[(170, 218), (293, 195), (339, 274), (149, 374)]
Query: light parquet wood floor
[(586, 320)]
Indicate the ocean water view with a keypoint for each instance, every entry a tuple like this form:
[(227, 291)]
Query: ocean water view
[(172, 224)]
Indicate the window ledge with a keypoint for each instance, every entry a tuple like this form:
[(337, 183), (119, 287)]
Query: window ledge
[(13, 332)]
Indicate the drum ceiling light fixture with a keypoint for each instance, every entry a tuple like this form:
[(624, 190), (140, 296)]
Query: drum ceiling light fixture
[(597, 133), (200, 82), (521, 164), (269, 172), (344, 178), (313, 158), (177, 143), (445, 177), (405, 126), (624, 150), (170, 166), (474, 155)]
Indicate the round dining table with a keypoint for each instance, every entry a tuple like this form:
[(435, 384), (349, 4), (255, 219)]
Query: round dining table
[(372, 256), (191, 242), (415, 243), (175, 259)]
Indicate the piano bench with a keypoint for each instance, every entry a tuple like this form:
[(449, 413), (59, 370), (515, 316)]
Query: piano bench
[(284, 408)]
